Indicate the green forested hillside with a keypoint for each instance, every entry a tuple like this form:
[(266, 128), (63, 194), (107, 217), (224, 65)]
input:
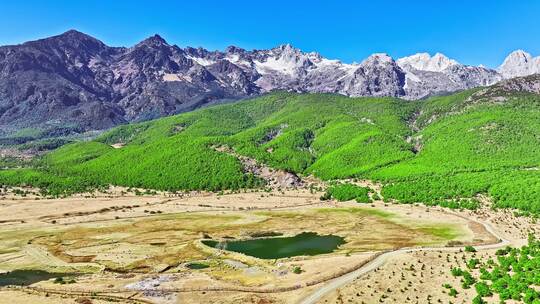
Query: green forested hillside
[(431, 151)]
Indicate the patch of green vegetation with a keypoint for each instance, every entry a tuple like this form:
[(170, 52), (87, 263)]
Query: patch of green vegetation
[(176, 153), (512, 276), (9, 162), (441, 151), (197, 265), (22, 136), (36, 138), (27, 277), (478, 148), (347, 192), (44, 144), (468, 203), (49, 183), (28, 132), (262, 234), (470, 249), (62, 281), (373, 212), (441, 231)]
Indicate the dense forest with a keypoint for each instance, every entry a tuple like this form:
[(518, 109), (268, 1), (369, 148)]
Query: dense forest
[(443, 150)]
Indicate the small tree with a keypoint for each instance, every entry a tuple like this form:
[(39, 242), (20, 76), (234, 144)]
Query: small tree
[(483, 289), (470, 249)]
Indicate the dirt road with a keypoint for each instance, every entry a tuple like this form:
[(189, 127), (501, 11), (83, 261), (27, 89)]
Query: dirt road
[(336, 283)]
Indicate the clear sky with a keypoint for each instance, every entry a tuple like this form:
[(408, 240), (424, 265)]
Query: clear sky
[(473, 32)]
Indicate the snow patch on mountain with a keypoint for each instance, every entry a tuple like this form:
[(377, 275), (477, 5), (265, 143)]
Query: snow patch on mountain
[(378, 58), (171, 77), (202, 61), (236, 59), (519, 63), (426, 62), (275, 65), (410, 77), (284, 59)]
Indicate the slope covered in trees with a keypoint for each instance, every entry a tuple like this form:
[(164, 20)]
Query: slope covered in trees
[(479, 145), (436, 151)]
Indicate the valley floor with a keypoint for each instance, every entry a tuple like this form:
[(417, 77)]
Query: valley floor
[(122, 247)]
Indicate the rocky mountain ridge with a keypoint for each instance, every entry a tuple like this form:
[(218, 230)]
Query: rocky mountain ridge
[(519, 63), (76, 82)]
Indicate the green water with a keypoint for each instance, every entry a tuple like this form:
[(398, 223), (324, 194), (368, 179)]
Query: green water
[(26, 277), (307, 243), (197, 266)]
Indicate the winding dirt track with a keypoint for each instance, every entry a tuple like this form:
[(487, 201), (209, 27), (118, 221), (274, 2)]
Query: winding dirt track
[(383, 258)]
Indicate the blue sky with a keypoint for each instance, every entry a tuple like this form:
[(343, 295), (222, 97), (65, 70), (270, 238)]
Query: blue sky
[(473, 32)]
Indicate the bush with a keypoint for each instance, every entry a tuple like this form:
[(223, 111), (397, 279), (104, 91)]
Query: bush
[(483, 289), (456, 272), (347, 192), (470, 249)]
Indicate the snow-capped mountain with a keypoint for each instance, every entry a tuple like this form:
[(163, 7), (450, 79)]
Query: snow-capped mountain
[(76, 80), (432, 75), (288, 68), (426, 62), (519, 63)]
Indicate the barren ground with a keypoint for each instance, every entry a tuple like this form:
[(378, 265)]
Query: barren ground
[(123, 245)]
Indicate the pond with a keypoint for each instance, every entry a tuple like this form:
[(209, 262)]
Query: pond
[(26, 277), (197, 266), (306, 243)]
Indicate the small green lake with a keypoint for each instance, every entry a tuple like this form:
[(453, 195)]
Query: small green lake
[(197, 266), (306, 243), (26, 277)]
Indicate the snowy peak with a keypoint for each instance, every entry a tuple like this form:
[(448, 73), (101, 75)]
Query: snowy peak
[(519, 63), (284, 59), (288, 68), (286, 48), (153, 41), (426, 62), (378, 59), (288, 53), (518, 56)]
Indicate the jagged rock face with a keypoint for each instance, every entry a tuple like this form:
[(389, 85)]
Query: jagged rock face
[(74, 80), (378, 75), (420, 84), (529, 84), (59, 79), (519, 63)]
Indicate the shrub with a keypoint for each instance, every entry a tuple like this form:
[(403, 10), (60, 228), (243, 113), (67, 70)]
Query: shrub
[(470, 249), (346, 192)]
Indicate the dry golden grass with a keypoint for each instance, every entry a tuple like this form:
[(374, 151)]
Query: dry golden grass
[(147, 244)]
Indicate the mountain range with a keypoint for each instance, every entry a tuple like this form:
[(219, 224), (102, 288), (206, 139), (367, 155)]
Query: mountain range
[(72, 83)]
